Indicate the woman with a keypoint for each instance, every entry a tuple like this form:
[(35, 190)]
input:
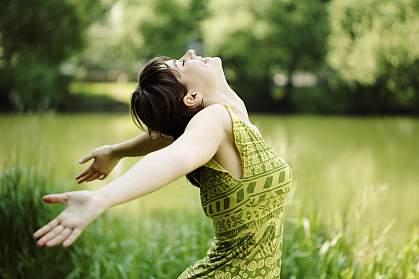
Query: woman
[(198, 127)]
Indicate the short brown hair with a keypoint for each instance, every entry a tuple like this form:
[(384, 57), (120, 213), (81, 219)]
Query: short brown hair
[(157, 102), (158, 99)]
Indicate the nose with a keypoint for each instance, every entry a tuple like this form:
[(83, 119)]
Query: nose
[(191, 53)]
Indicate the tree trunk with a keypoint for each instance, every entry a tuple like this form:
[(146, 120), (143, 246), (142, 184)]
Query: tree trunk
[(286, 104)]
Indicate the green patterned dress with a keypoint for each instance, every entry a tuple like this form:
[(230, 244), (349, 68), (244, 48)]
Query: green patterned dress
[(247, 213)]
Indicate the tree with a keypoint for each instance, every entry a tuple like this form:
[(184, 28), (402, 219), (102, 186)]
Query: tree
[(374, 47), (269, 36), (172, 27), (297, 38), (141, 30), (35, 37)]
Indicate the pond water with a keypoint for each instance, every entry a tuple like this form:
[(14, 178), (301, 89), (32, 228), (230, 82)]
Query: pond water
[(354, 171)]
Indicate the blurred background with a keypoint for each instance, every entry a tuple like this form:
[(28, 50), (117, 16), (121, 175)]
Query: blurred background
[(333, 86), (280, 56)]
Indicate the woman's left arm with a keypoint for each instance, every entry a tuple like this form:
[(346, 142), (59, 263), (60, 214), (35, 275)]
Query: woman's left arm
[(196, 146)]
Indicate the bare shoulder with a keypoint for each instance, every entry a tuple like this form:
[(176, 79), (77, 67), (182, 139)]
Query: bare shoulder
[(211, 117), (204, 134)]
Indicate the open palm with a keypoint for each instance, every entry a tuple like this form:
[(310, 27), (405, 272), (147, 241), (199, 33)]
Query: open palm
[(103, 163), (83, 207)]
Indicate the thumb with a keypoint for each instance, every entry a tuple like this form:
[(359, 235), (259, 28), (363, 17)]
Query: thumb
[(86, 158), (56, 198)]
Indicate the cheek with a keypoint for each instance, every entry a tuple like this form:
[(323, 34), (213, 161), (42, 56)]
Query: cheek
[(197, 74)]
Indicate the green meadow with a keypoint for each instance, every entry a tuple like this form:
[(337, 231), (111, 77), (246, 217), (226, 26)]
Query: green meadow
[(352, 211), (332, 85)]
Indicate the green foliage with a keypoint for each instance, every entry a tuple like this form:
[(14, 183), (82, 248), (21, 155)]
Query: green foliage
[(140, 30), (174, 25), (87, 102), (97, 97), (312, 251), (364, 53), (164, 243), (151, 248), (35, 37), (374, 47), (368, 36), (283, 36), (296, 38), (21, 212), (37, 84), (113, 42)]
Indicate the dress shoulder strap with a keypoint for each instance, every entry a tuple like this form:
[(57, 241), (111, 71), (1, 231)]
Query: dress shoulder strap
[(232, 114), (240, 122)]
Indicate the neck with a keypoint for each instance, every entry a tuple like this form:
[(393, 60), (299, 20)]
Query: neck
[(221, 95)]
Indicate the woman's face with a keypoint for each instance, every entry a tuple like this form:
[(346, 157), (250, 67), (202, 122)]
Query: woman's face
[(197, 73)]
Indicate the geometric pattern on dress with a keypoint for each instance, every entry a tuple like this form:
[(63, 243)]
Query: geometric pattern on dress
[(247, 213)]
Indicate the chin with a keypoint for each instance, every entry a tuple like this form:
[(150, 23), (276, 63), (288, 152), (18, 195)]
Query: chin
[(215, 58), (218, 62)]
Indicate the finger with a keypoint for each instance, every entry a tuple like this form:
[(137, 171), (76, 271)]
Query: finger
[(45, 228), (56, 198), (86, 158), (52, 234), (74, 235), (86, 176), (83, 173), (59, 238), (91, 170), (93, 177)]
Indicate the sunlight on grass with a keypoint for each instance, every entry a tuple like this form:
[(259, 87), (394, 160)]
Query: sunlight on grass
[(350, 214), (120, 91)]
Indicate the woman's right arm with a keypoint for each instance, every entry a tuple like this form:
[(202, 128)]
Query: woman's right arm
[(107, 156), (203, 135)]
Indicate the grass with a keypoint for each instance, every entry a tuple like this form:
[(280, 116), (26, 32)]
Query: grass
[(120, 91), (166, 242), (98, 97)]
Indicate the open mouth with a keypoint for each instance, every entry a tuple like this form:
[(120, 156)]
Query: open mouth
[(204, 60)]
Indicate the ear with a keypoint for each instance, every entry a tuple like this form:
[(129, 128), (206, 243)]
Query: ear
[(193, 99)]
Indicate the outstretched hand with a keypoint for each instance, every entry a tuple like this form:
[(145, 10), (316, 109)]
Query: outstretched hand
[(103, 164), (83, 207)]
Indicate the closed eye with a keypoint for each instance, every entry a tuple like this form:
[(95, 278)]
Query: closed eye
[(183, 62)]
